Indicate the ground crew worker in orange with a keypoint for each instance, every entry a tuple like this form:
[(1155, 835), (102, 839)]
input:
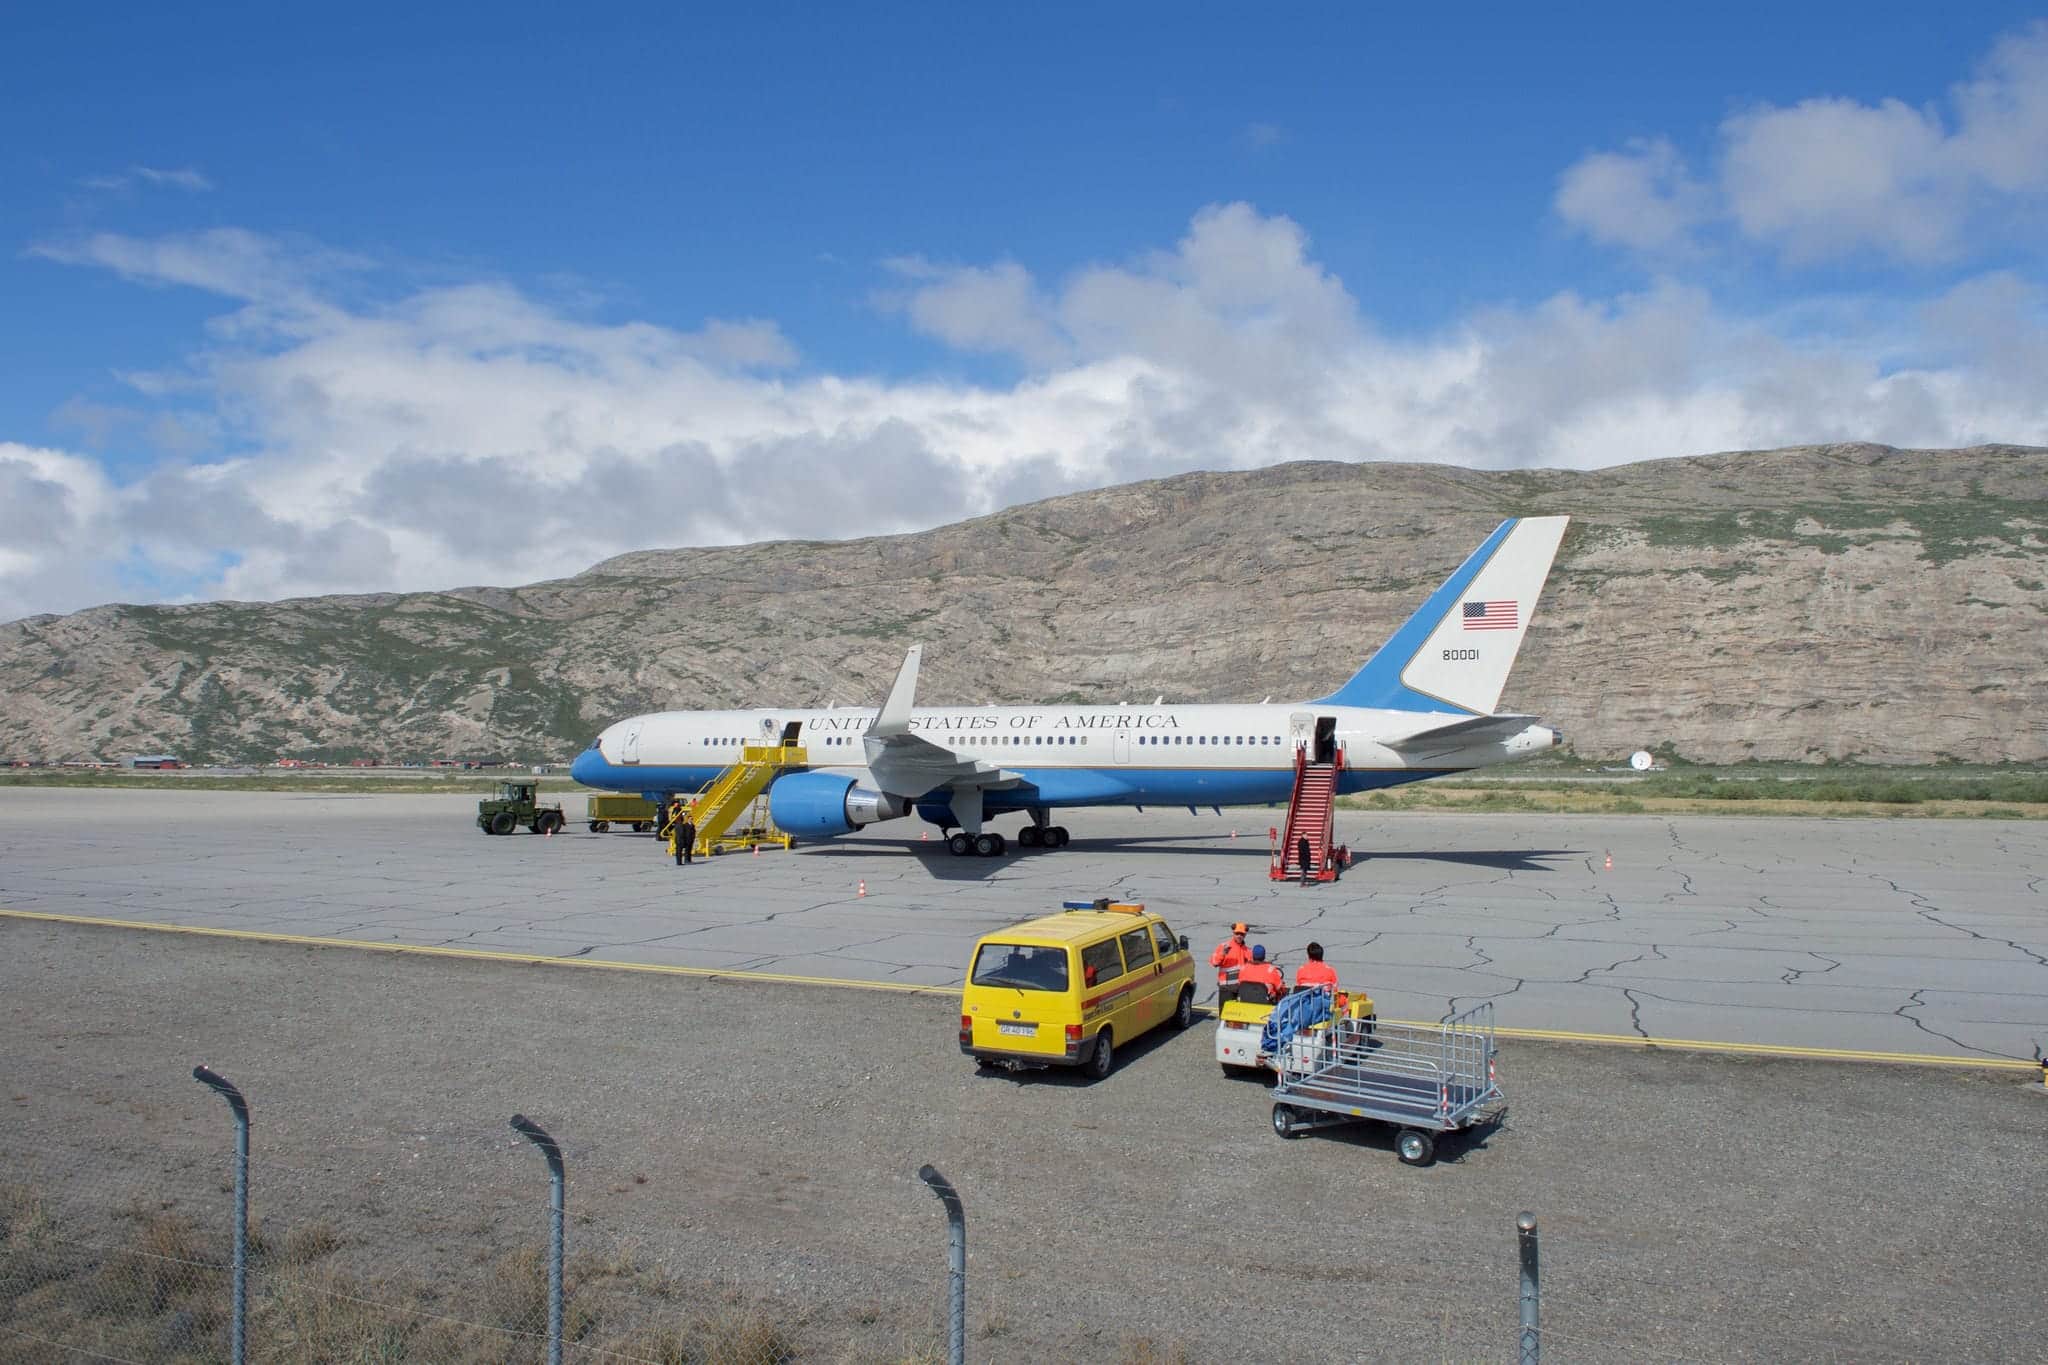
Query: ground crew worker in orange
[(1230, 955), (1259, 972), (1315, 971)]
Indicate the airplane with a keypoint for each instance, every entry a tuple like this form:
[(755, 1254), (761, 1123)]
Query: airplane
[(1420, 707)]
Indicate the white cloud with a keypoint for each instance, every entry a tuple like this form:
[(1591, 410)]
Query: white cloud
[(991, 309), (181, 178), (1643, 198), (474, 434), (1259, 136), (230, 261), (1829, 178)]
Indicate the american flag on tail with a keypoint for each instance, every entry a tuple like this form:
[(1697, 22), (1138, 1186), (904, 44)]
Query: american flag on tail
[(1497, 615)]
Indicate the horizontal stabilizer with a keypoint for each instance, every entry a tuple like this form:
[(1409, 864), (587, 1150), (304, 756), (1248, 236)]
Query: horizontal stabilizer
[(1461, 733)]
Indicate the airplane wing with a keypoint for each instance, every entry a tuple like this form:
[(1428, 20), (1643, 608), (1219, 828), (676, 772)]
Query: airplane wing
[(1461, 733), (903, 764)]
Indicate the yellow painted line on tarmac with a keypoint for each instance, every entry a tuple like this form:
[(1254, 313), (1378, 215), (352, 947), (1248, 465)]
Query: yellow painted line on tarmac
[(900, 988), (483, 954), (1827, 1054)]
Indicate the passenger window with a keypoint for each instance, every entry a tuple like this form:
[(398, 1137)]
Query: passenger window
[(1163, 937), (1138, 949), (1100, 963)]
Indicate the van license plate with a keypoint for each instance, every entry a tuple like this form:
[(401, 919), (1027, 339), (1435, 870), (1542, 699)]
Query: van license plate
[(1016, 1030)]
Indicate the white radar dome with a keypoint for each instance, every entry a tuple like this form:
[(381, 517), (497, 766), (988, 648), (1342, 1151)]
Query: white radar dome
[(1640, 760)]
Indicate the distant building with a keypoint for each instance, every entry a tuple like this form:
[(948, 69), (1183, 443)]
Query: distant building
[(156, 761)]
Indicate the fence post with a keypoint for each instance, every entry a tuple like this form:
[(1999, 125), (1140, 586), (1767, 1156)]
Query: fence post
[(226, 1090), (1532, 1333), (956, 1237), (531, 1131)]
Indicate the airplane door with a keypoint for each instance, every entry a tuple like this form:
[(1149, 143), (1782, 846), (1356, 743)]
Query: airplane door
[(1123, 747), (1302, 729), (629, 745), (1326, 740)]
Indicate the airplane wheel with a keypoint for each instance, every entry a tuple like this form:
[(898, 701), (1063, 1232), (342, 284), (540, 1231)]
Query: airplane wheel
[(1056, 836), (960, 845), (987, 845), (1030, 837)]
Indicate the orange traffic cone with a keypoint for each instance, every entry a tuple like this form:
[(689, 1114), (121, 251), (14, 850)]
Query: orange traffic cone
[(1233, 834), (757, 850), (1610, 862), (863, 888), (923, 835)]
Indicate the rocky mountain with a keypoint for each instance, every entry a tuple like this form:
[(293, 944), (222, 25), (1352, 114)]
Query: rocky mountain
[(1849, 602)]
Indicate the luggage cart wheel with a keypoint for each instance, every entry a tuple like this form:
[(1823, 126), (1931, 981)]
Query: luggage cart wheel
[(1414, 1146), (1284, 1121)]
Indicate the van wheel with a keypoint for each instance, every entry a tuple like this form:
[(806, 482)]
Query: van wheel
[(1103, 1060), (1184, 1008)]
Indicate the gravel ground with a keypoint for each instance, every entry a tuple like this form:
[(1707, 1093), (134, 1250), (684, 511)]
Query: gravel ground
[(759, 1142)]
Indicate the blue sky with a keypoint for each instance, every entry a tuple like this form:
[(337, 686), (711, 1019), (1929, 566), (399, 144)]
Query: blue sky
[(400, 298)]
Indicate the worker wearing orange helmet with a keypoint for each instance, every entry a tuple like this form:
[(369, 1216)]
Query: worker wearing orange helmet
[(1229, 956)]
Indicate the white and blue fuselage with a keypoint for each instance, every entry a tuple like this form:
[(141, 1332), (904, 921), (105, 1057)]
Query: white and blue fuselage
[(1420, 707), (1061, 755)]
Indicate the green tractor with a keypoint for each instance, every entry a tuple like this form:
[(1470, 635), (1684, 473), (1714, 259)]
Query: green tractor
[(513, 806)]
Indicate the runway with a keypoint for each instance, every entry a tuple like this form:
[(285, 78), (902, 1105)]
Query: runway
[(1873, 936)]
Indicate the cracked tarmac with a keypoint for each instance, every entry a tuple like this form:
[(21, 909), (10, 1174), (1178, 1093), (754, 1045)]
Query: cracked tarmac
[(1895, 935)]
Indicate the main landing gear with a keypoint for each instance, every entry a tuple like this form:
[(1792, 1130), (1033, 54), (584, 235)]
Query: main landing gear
[(989, 844)]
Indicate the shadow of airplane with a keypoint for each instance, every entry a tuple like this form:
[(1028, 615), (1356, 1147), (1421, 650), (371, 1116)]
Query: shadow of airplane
[(1506, 859), (944, 866)]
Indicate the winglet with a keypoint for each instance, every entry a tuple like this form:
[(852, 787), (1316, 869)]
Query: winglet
[(894, 717)]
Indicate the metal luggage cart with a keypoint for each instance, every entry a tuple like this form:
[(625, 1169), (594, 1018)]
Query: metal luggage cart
[(1425, 1079)]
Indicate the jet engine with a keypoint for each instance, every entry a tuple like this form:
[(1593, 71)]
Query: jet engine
[(818, 805)]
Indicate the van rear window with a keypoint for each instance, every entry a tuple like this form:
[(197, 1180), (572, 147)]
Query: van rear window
[(1020, 965)]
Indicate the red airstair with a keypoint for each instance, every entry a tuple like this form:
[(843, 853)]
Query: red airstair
[(1312, 812)]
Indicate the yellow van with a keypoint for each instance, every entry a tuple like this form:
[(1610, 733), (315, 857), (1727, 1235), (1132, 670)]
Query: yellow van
[(1066, 989)]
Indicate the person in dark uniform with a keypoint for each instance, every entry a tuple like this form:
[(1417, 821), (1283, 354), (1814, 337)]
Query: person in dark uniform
[(686, 835), (1301, 847)]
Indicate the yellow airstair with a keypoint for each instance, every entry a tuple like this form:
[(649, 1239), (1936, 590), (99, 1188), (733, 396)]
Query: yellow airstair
[(732, 812)]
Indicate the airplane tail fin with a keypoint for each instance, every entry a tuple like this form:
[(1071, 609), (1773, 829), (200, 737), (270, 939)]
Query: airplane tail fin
[(1455, 652)]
